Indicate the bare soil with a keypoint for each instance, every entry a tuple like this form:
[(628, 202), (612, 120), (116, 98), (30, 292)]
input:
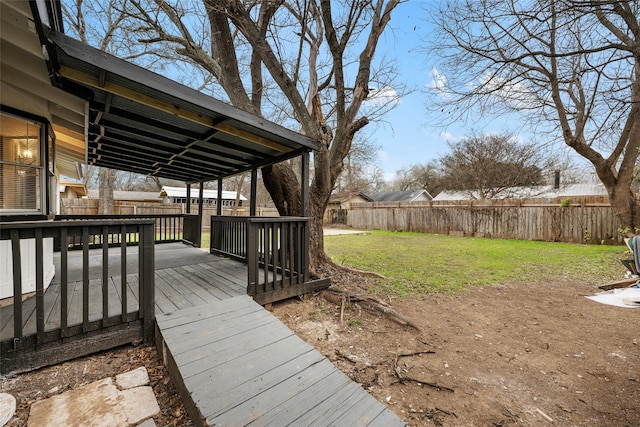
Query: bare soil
[(526, 354)]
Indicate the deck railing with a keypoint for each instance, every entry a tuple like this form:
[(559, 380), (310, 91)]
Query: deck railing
[(275, 249), (92, 313), (168, 228)]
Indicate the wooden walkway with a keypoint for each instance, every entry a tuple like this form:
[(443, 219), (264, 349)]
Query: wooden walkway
[(235, 364)]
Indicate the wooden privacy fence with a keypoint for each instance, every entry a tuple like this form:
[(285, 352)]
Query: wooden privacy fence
[(552, 223)]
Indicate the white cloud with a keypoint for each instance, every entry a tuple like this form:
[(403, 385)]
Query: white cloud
[(381, 97), (438, 81), (389, 176), (447, 136), (516, 95)]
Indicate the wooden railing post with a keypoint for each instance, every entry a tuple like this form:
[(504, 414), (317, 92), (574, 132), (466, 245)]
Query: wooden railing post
[(17, 288), (252, 257), (39, 288), (304, 247), (147, 282)]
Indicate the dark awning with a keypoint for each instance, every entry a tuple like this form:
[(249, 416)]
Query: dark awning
[(142, 122)]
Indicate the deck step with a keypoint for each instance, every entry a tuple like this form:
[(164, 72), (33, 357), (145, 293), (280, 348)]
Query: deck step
[(235, 363)]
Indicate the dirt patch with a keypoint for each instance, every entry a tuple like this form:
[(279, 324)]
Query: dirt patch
[(520, 354), (40, 384)]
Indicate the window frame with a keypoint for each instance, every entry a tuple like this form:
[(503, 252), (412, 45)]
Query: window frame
[(43, 168)]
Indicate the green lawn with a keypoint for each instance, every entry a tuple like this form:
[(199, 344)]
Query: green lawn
[(417, 263)]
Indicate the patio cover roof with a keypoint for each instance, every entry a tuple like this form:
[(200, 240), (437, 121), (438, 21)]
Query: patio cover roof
[(142, 122)]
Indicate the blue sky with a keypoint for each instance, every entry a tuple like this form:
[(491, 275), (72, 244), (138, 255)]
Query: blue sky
[(405, 136)]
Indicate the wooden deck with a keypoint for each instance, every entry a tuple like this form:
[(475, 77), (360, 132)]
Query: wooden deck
[(179, 285), (235, 364)]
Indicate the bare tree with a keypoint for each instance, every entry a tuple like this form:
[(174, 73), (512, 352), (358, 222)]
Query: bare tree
[(572, 67), (488, 165), (419, 176), (105, 20), (309, 63), (359, 172)]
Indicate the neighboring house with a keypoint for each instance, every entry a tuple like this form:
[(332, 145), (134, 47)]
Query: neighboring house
[(72, 189), (344, 200), (570, 191), (209, 197), (130, 196), (401, 196), (339, 204)]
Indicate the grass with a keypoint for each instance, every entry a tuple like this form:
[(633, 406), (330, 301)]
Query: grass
[(417, 264)]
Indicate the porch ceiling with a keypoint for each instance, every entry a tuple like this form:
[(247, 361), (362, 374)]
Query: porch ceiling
[(142, 122)]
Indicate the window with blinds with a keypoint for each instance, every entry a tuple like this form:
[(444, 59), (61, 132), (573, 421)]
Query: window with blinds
[(20, 165)]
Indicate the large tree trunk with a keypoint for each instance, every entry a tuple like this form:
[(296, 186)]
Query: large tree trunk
[(106, 179), (625, 207), (284, 187)]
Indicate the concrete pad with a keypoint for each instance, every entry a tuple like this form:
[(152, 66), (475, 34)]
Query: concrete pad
[(136, 378), (340, 231), (99, 404), (148, 423), (7, 408)]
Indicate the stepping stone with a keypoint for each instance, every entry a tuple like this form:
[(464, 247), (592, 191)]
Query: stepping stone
[(7, 408), (99, 404)]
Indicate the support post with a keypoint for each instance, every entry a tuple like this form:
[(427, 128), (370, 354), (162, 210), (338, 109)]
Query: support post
[(219, 201), (146, 271), (254, 191), (305, 184), (188, 197), (200, 215), (305, 213)]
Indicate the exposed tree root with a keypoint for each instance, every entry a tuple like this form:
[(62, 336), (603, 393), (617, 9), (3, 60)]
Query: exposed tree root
[(404, 378), (336, 295)]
